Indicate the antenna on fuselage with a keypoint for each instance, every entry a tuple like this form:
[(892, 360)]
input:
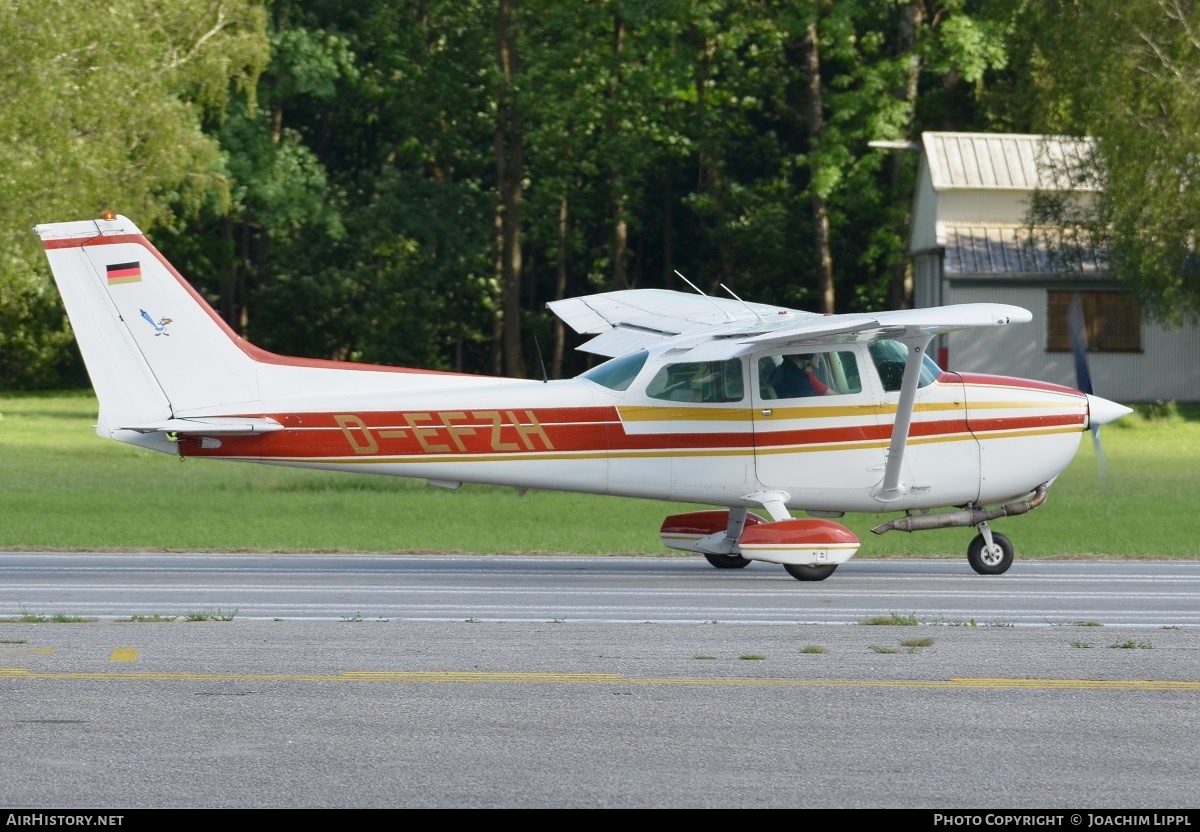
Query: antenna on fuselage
[(720, 308), (743, 303), (542, 361)]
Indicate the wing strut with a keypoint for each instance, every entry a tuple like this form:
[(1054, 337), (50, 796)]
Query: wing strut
[(891, 488)]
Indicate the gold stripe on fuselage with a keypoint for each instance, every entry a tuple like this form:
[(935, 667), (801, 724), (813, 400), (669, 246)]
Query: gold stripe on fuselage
[(650, 413)]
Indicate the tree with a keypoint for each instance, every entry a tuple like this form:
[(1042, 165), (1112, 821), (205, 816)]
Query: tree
[(361, 226), (1126, 72), (103, 103), (510, 175)]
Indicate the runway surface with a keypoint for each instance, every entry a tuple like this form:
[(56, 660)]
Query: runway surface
[(597, 682), (594, 589)]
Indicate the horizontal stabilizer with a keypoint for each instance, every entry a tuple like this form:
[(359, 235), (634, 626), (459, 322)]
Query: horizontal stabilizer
[(210, 426)]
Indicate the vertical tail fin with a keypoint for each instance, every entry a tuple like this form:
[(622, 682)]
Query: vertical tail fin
[(153, 348), (156, 351)]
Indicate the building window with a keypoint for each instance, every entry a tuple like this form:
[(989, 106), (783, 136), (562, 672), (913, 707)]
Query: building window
[(1113, 321)]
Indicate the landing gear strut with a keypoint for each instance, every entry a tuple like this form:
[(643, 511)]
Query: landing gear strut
[(990, 553)]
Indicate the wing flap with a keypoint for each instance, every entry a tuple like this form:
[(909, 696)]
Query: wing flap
[(621, 340)]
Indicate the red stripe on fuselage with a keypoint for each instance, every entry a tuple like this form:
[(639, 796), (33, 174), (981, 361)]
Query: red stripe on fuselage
[(414, 434), (988, 380), (984, 426)]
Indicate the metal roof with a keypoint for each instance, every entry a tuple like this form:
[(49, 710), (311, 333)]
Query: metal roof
[(1008, 161), (980, 250)]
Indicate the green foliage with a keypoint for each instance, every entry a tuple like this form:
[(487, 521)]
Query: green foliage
[(326, 173), (103, 103), (36, 618), (1126, 72), (209, 615), (892, 619)]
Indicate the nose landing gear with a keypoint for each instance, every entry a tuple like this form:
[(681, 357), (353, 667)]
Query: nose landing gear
[(990, 553)]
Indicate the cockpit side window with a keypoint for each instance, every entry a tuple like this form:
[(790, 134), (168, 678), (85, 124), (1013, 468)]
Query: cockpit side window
[(889, 358), (618, 373), (709, 382), (800, 375)]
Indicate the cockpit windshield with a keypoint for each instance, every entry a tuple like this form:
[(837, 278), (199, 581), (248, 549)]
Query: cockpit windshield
[(890, 356), (618, 373)]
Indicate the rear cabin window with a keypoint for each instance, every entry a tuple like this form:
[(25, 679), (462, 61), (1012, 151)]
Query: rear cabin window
[(709, 382), (801, 375)]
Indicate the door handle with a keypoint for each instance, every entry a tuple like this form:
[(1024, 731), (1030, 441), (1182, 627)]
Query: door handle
[(767, 412)]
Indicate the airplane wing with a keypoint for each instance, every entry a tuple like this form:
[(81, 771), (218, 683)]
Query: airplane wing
[(633, 319), (719, 328), (935, 320)]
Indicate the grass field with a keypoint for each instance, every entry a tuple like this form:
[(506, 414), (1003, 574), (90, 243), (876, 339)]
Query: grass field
[(62, 487)]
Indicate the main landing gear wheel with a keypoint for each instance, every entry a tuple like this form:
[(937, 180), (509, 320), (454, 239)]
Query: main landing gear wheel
[(810, 573), (727, 561), (990, 560)]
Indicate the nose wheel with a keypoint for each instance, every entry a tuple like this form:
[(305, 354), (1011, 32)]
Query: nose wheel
[(990, 553)]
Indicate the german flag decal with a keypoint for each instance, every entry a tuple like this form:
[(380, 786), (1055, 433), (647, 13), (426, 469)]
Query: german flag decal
[(124, 273)]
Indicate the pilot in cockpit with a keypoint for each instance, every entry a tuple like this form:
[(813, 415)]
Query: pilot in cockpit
[(796, 377)]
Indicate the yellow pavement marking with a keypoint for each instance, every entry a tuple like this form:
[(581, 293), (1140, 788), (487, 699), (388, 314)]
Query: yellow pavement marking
[(124, 654), (458, 677), (16, 648)]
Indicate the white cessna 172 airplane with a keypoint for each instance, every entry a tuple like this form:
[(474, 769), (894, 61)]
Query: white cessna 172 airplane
[(705, 400)]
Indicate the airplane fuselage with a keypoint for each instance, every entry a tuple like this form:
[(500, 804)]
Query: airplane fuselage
[(974, 439)]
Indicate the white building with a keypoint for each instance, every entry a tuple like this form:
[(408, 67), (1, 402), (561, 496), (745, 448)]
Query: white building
[(971, 242)]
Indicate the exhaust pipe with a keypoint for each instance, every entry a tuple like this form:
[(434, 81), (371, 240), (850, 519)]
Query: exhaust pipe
[(962, 517)]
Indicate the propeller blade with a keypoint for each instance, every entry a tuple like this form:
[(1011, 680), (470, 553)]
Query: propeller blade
[(1079, 345), (1083, 376), (1099, 452), (1100, 411)]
